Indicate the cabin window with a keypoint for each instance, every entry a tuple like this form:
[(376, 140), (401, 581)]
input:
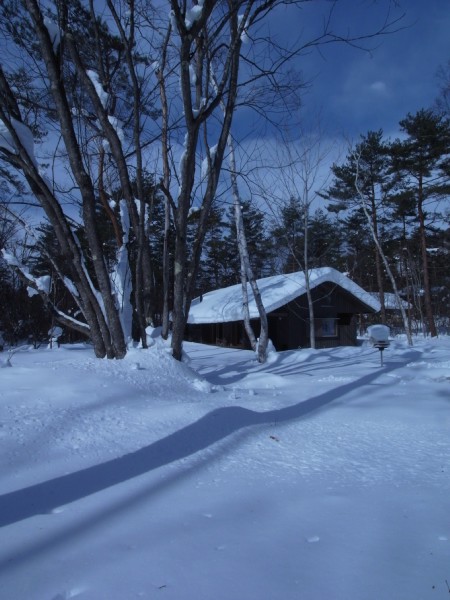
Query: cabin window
[(325, 327)]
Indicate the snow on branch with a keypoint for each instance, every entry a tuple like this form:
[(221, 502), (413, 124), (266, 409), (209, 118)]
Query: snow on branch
[(117, 126), (54, 33), (103, 96), (41, 286), (209, 159), (244, 36), (24, 135), (72, 322), (38, 284), (193, 15)]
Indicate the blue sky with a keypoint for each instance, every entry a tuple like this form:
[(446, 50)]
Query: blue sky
[(361, 91), (355, 91)]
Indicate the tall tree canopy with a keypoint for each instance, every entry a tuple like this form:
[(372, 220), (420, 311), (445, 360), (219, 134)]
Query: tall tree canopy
[(421, 162)]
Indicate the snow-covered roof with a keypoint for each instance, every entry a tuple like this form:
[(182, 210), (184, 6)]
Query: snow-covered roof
[(390, 301), (224, 305)]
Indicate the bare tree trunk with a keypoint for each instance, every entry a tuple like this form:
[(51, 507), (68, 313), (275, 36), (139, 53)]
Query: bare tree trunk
[(107, 338), (246, 269), (242, 249), (195, 115), (300, 174), (110, 326), (246, 313), (165, 184), (247, 276), (143, 277), (426, 272), (384, 259), (312, 329), (378, 261), (166, 270)]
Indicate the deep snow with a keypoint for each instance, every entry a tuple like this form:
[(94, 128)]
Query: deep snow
[(319, 476)]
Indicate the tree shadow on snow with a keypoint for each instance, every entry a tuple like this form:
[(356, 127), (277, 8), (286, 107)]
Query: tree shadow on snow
[(284, 365), (218, 424)]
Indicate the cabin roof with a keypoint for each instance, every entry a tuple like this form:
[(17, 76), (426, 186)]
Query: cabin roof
[(390, 301), (225, 305)]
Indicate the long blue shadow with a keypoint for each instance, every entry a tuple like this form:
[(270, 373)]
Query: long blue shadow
[(44, 497)]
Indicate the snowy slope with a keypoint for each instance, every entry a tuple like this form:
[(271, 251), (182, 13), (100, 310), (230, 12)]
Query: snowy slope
[(321, 475)]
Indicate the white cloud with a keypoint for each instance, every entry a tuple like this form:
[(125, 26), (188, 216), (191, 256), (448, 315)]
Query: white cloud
[(379, 87)]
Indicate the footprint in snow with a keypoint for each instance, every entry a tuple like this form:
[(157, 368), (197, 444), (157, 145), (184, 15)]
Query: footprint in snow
[(312, 539)]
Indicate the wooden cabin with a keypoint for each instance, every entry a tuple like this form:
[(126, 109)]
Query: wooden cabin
[(217, 317)]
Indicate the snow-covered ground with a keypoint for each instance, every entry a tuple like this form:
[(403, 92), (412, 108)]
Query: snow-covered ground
[(319, 476)]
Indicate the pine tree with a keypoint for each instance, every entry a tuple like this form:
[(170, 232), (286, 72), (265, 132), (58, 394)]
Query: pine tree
[(367, 165), (288, 234), (214, 268), (422, 164)]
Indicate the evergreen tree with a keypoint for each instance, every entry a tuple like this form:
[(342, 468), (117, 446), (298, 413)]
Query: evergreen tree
[(287, 234), (422, 164), (323, 238), (367, 169), (356, 255), (324, 243), (443, 100), (215, 262)]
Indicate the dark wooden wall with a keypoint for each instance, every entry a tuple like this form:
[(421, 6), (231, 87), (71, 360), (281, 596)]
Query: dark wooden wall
[(289, 324)]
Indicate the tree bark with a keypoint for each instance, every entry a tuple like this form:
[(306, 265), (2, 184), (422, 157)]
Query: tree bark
[(384, 259), (312, 329), (109, 324), (165, 184), (259, 346), (185, 272), (426, 272), (378, 262)]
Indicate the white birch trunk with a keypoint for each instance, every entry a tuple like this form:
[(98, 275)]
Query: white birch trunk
[(383, 258), (121, 278), (312, 331), (246, 271)]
